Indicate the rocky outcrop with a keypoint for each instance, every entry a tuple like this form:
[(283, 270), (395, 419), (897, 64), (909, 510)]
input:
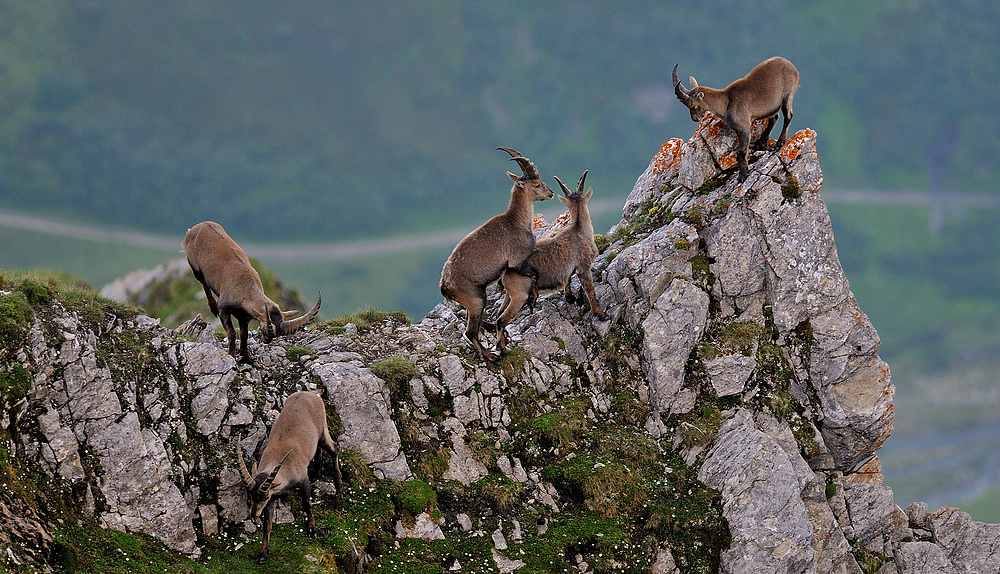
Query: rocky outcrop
[(734, 341)]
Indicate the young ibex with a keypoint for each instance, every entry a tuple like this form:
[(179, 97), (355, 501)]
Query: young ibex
[(762, 93), (504, 242), (554, 260), (284, 464), (222, 268)]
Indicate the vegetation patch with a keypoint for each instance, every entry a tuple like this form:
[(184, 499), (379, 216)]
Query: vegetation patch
[(365, 319), (293, 353)]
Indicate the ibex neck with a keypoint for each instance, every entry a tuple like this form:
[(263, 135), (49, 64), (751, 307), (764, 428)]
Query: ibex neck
[(520, 211)]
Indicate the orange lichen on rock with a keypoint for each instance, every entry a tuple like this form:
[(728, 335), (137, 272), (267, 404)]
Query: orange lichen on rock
[(727, 161), (796, 143), (669, 156), (538, 221), (562, 220)]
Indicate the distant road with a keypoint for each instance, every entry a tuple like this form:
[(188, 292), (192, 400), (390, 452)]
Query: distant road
[(348, 250)]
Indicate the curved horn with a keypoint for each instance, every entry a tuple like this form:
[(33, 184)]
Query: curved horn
[(264, 486), (299, 322), (243, 465), (266, 329), (579, 184), (565, 189), (682, 94), (527, 167)]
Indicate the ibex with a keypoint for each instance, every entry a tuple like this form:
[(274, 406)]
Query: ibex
[(762, 93), (555, 259), (284, 464), (504, 242), (222, 268)]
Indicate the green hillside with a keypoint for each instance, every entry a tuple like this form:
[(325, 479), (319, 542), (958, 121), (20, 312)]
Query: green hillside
[(308, 119)]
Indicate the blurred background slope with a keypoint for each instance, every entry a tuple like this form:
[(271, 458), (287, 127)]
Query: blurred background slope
[(304, 122)]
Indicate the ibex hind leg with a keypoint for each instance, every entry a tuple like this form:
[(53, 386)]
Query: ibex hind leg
[(761, 143), (474, 304)]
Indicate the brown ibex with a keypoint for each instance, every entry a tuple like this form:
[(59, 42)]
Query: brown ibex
[(222, 268), (761, 94), (284, 464), (504, 242), (554, 260)]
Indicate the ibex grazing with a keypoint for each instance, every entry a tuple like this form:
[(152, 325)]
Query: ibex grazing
[(762, 93), (284, 464), (504, 242), (555, 259), (222, 268)]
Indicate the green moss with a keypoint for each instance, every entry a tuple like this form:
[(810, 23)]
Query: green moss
[(499, 491), (682, 244), (15, 320), (602, 242), (294, 352), (14, 385), (365, 319), (413, 497), (869, 562), (709, 186), (831, 490), (790, 190), (396, 371)]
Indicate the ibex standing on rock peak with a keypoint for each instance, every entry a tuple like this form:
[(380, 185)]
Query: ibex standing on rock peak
[(504, 242), (284, 464), (222, 268), (762, 93)]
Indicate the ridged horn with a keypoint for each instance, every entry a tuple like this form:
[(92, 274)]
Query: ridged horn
[(579, 184), (266, 485), (682, 94), (565, 189), (299, 322), (527, 168), (243, 465)]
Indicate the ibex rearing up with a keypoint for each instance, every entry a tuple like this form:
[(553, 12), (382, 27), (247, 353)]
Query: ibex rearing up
[(222, 268), (555, 259), (762, 93), (504, 242), (284, 464)]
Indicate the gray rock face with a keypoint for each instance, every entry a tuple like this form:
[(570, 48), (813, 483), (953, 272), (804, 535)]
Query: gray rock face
[(762, 501), (807, 401)]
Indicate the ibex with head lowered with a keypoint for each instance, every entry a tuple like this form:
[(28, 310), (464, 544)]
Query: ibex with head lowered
[(284, 464), (504, 242), (762, 93), (555, 259), (222, 268)]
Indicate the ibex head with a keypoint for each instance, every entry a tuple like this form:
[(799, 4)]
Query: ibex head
[(259, 485), (530, 181), (273, 319), (694, 98)]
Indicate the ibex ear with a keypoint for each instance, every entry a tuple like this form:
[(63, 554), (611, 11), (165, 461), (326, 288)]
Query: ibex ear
[(694, 82), (513, 176), (289, 314), (564, 201), (701, 95), (587, 195)]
